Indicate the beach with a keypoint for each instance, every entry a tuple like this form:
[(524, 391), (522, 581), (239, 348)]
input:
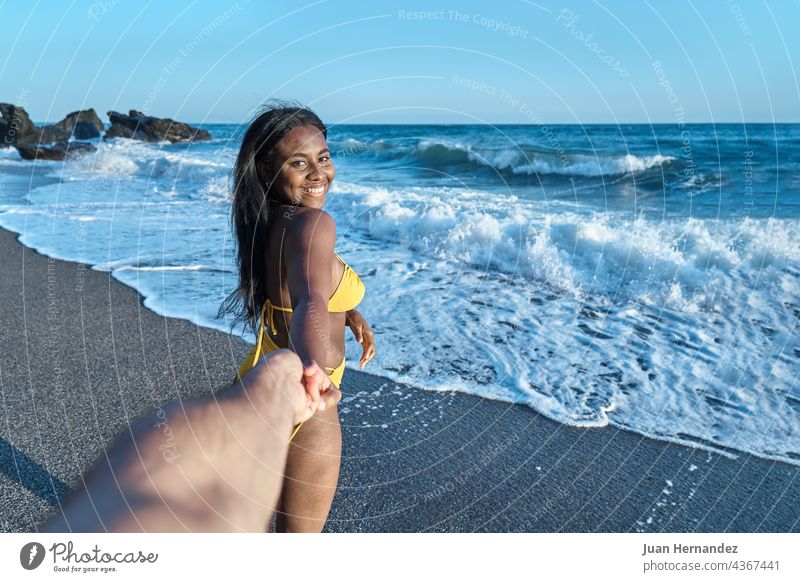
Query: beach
[(83, 357), (606, 290)]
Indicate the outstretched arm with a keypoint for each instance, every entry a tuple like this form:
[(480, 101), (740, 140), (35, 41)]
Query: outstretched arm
[(308, 252), (210, 464)]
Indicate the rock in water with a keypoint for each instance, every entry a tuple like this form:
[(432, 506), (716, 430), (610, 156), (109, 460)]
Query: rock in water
[(16, 126), (61, 150), (137, 125), (84, 124), (119, 130), (50, 134)]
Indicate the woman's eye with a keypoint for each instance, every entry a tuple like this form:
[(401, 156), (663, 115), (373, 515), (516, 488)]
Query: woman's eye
[(325, 159), (298, 164)]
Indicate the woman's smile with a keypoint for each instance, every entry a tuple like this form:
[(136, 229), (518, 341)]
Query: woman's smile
[(313, 190)]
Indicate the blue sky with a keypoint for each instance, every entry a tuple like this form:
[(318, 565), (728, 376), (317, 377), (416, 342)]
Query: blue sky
[(512, 61)]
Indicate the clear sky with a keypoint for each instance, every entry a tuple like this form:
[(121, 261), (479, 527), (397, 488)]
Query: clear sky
[(508, 61)]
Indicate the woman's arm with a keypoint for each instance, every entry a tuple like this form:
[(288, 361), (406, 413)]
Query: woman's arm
[(308, 251)]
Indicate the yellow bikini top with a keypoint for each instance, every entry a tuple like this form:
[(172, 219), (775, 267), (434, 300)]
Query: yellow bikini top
[(348, 294)]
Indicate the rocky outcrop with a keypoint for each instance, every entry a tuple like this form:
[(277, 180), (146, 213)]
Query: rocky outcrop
[(119, 130), (137, 125), (33, 143), (84, 124), (50, 134), (16, 126), (61, 150)]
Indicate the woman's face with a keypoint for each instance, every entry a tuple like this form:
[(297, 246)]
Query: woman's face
[(302, 168)]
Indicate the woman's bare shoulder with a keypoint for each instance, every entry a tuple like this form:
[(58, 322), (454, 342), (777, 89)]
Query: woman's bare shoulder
[(308, 226)]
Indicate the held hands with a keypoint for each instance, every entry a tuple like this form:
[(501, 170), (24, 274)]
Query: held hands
[(363, 333), (306, 389), (320, 393)]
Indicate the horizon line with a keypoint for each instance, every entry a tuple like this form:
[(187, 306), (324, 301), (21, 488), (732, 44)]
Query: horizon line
[(442, 123)]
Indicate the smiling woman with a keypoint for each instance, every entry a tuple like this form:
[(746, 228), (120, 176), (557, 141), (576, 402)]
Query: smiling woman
[(306, 172), (294, 289)]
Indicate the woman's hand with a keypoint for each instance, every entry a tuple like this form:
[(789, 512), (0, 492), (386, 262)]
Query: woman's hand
[(363, 333), (320, 393)]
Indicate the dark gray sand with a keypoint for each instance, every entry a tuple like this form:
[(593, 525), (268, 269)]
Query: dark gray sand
[(81, 357)]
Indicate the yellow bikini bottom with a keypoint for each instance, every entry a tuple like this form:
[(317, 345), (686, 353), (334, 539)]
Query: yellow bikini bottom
[(266, 345)]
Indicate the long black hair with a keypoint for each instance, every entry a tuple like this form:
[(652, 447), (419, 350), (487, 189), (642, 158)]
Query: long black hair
[(250, 211)]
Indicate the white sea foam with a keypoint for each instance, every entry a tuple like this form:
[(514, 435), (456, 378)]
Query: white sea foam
[(683, 265), (142, 160), (604, 319)]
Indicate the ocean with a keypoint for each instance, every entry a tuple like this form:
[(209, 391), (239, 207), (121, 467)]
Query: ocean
[(646, 277)]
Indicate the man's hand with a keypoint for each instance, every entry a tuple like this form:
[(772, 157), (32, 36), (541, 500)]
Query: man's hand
[(320, 393)]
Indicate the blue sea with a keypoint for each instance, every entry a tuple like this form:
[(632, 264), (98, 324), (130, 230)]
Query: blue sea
[(646, 277)]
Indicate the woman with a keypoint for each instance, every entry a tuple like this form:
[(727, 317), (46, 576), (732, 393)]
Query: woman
[(293, 288)]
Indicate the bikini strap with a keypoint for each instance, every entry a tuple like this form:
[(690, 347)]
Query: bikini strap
[(271, 316), (260, 334), (268, 307)]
